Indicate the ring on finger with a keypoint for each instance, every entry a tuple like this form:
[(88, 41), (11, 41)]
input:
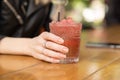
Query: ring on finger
[(44, 44)]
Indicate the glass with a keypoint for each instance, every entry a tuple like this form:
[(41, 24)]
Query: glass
[(71, 35)]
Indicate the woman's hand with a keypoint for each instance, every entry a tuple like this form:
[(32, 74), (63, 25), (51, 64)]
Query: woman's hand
[(47, 47)]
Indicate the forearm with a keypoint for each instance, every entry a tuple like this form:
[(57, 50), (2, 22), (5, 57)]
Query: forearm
[(14, 46)]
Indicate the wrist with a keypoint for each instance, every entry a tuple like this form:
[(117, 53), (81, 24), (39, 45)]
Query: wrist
[(18, 46)]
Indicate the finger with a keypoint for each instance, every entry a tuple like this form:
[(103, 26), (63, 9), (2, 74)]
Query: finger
[(45, 58), (40, 41), (56, 47), (52, 37), (54, 54), (49, 53)]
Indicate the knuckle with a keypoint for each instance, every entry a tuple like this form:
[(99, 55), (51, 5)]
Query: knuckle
[(44, 33), (43, 51), (48, 44), (51, 60)]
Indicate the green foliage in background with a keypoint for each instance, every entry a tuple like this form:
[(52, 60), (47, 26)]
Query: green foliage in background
[(78, 6), (82, 3)]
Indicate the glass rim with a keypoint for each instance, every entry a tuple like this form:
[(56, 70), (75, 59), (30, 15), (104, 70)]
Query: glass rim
[(78, 24)]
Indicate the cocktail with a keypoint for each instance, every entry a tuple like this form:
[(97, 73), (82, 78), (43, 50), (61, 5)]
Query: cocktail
[(70, 32)]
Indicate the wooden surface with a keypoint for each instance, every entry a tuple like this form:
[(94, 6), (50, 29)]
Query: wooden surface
[(94, 64)]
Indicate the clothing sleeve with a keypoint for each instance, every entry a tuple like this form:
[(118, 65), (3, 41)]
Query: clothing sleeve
[(48, 19), (1, 36)]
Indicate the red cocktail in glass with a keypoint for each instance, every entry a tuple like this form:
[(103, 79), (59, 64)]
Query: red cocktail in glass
[(70, 32)]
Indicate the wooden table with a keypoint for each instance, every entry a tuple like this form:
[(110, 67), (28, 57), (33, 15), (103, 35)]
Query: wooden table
[(94, 64)]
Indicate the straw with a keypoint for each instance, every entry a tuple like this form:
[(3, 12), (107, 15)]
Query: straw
[(58, 16)]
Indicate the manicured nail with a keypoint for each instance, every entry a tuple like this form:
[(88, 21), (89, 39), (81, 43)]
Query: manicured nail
[(56, 61), (64, 56), (60, 40), (65, 50)]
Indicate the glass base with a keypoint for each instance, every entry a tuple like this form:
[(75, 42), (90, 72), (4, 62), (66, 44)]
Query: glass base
[(69, 60)]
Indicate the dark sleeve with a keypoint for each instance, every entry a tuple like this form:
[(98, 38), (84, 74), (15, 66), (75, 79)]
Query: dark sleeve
[(1, 36), (48, 19), (4, 20), (1, 20)]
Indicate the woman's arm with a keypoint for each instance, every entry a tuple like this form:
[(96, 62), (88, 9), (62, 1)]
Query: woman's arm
[(46, 46), (9, 45)]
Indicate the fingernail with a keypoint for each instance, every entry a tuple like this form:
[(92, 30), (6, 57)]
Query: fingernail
[(64, 56), (65, 50), (61, 40), (56, 61)]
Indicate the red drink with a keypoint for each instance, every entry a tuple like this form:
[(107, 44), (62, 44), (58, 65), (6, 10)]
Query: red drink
[(70, 32)]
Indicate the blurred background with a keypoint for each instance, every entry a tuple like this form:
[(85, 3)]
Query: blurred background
[(90, 13)]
